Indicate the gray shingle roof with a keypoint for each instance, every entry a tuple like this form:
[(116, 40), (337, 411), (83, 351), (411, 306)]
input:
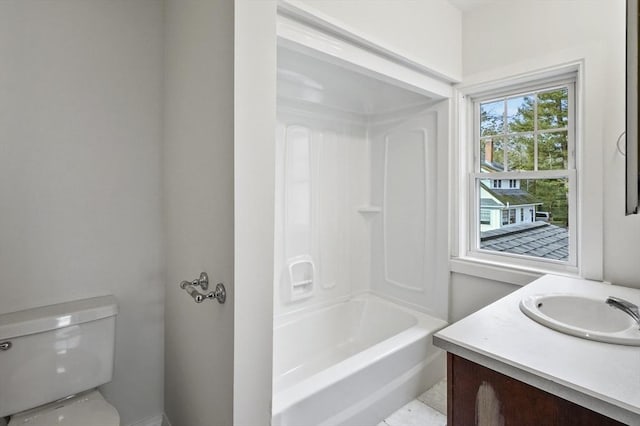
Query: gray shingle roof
[(511, 196), (539, 239), (490, 202)]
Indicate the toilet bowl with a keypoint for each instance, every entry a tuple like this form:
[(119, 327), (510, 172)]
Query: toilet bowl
[(86, 409), (52, 360)]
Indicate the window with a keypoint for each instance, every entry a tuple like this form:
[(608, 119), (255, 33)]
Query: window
[(525, 137), (505, 217), (485, 217)]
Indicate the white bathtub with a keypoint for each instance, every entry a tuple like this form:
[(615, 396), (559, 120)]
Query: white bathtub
[(352, 363)]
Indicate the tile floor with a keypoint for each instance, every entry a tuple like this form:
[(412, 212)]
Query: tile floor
[(429, 409)]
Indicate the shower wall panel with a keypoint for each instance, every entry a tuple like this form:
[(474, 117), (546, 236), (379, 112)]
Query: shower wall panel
[(404, 184), (321, 242)]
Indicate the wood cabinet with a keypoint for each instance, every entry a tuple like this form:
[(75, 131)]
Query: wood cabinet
[(480, 396)]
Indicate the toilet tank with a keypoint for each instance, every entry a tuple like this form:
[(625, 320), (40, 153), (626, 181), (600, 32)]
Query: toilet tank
[(54, 351)]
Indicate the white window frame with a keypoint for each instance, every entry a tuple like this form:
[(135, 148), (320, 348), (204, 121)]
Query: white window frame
[(468, 151)]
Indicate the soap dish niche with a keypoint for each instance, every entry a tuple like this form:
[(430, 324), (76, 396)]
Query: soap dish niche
[(301, 274)]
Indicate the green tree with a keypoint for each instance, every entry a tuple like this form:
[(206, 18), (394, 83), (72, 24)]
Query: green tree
[(517, 133)]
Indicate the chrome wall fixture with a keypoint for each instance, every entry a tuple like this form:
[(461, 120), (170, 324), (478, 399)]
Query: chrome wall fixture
[(220, 293)]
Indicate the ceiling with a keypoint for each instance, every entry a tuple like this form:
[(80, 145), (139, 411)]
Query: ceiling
[(469, 5)]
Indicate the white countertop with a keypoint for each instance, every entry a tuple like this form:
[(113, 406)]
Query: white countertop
[(603, 377)]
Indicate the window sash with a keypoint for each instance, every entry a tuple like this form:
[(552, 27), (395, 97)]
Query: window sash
[(539, 131), (570, 129), (475, 176), (474, 217), (525, 89)]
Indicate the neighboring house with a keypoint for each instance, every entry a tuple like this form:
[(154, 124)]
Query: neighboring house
[(508, 221), (503, 202)]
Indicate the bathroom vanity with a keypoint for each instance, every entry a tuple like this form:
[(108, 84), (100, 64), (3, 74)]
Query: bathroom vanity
[(505, 368)]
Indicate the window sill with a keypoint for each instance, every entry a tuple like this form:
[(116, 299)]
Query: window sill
[(498, 271)]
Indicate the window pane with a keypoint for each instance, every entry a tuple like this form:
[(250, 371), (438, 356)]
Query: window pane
[(485, 217), (553, 109), (491, 118), (520, 114), (552, 151), (530, 220), (505, 217), (492, 154), (521, 152)]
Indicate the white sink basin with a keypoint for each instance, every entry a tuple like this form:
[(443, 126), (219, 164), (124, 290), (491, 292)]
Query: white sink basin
[(589, 318)]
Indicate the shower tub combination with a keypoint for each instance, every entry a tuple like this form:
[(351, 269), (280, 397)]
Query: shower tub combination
[(352, 363), (360, 224)]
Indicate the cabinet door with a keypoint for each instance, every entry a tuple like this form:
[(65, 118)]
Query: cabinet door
[(480, 396)]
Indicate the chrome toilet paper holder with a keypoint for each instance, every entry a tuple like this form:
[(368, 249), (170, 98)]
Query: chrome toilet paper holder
[(219, 293)]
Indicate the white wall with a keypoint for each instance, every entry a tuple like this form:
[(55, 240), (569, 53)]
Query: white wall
[(501, 40), (621, 233), (198, 177), (470, 293), (80, 164), (494, 35), (425, 32), (254, 177)]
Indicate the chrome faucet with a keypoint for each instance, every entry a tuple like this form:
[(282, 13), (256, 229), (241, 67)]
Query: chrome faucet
[(625, 306)]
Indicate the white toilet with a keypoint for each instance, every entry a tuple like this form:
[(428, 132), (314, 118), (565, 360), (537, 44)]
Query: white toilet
[(53, 358)]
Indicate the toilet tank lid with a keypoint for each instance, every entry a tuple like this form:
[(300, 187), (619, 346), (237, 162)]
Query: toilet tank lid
[(50, 317)]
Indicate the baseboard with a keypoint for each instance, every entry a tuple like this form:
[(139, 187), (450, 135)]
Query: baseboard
[(157, 420)]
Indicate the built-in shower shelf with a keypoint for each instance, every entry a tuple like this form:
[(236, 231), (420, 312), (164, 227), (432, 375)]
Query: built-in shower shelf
[(369, 210), (301, 277)]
